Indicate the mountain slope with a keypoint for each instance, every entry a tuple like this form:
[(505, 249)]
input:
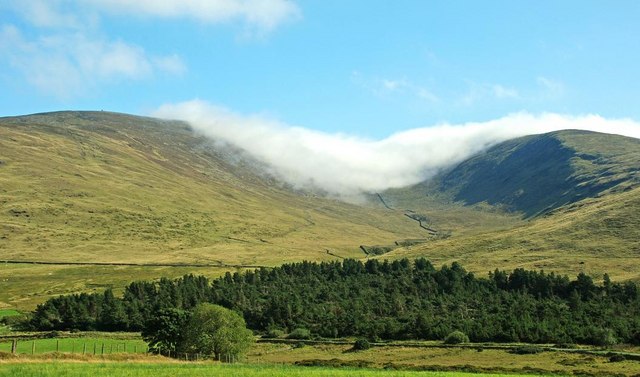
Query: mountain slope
[(535, 174), (579, 190), (596, 236), (105, 187)]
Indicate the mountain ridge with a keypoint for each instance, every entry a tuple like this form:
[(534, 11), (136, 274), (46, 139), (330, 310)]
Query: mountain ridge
[(535, 174)]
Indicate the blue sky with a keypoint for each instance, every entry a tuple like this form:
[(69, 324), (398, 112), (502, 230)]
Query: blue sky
[(364, 68)]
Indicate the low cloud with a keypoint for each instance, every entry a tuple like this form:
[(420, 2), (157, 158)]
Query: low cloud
[(347, 165)]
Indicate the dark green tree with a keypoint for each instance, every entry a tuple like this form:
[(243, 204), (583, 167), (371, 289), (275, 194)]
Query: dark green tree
[(165, 331)]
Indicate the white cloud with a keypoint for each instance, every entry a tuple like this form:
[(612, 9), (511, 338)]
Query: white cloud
[(481, 92), (500, 91), (393, 85), (552, 88), (172, 64), (262, 14), (389, 87), (346, 165), (48, 14), (69, 64), (427, 95)]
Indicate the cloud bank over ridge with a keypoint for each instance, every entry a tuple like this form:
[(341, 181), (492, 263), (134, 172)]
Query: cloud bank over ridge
[(346, 165)]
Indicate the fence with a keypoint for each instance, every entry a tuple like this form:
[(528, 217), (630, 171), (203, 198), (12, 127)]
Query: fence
[(97, 347), (73, 345)]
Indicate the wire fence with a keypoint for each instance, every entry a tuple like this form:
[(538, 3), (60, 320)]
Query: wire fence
[(99, 348), (73, 346)]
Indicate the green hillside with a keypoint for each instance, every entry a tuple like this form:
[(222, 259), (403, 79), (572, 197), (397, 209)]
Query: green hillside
[(578, 189), (105, 187), (594, 236), (535, 174), (99, 187)]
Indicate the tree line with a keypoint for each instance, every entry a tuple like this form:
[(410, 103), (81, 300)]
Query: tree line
[(377, 300)]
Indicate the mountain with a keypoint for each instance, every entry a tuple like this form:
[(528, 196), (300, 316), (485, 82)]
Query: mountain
[(579, 190), (126, 196), (106, 187), (538, 173), (535, 174)]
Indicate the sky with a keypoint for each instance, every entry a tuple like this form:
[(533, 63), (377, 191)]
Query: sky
[(361, 72)]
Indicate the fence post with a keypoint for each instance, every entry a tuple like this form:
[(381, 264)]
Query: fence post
[(14, 345), (57, 345), (135, 348), (111, 348), (102, 351), (33, 347), (84, 348), (94, 348)]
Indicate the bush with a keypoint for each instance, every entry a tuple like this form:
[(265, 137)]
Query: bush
[(299, 333), (274, 333), (361, 345), (526, 350), (603, 337), (617, 358), (456, 337), (566, 345)]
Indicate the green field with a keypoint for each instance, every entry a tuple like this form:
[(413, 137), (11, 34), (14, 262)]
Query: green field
[(86, 345), (8, 313), (203, 369)]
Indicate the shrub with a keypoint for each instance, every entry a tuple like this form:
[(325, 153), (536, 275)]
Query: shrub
[(526, 350), (566, 345), (361, 345), (299, 333), (274, 333), (603, 337), (617, 358), (456, 337)]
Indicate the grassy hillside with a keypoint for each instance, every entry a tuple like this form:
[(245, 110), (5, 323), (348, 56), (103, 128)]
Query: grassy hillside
[(594, 236), (113, 188), (109, 187), (105, 187), (537, 173)]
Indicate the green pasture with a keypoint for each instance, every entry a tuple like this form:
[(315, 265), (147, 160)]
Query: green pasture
[(8, 313), (97, 346), (204, 369)]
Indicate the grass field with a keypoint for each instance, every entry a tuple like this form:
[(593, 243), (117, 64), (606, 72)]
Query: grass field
[(203, 369), (84, 345), (435, 358), (8, 313), (24, 286), (325, 359)]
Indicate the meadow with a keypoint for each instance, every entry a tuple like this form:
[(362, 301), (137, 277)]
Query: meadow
[(311, 359), (93, 345), (203, 369)]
